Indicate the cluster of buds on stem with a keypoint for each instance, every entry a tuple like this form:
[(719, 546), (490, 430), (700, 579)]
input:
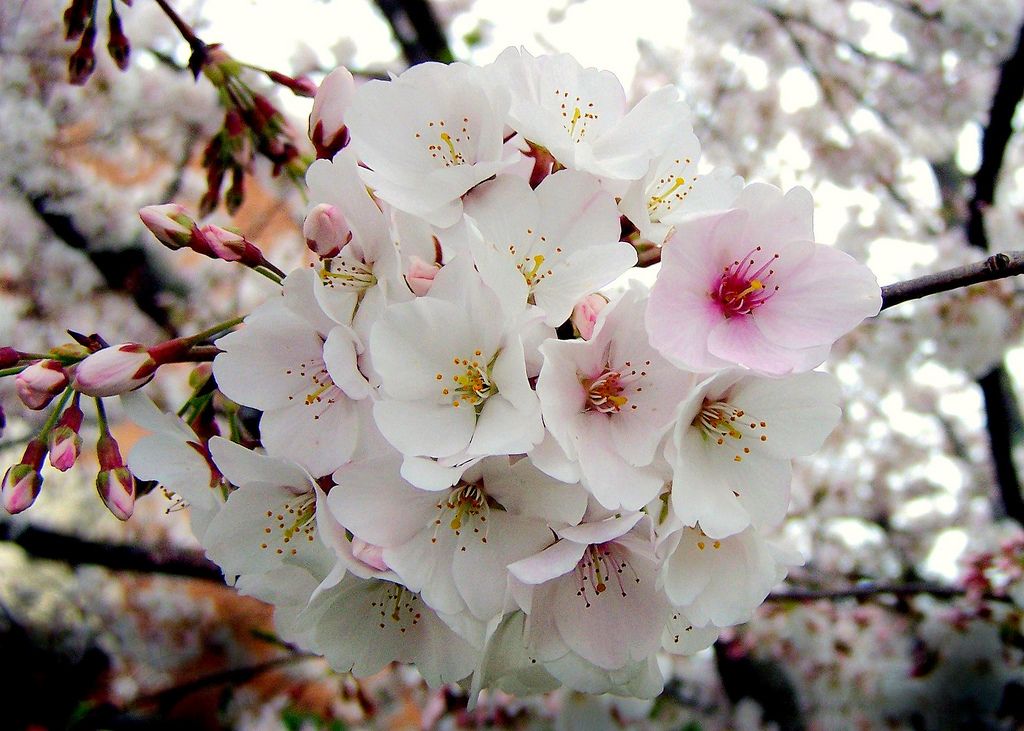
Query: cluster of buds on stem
[(80, 25), (252, 125), (175, 229)]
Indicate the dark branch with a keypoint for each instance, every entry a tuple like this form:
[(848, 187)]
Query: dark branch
[(869, 591), (997, 266), (417, 30), (1001, 410), (74, 551), (128, 270)]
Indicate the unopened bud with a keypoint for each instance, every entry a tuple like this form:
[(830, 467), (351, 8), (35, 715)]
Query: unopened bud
[(420, 276), (170, 223), (301, 86), (369, 554), (114, 370), (40, 382), (75, 18), (116, 488), (65, 441), (83, 60), (118, 46), (9, 357), (327, 129), (219, 243), (22, 482), (584, 314), (326, 231)]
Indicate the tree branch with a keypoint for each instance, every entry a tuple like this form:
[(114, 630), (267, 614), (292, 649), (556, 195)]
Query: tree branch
[(74, 551), (1001, 409), (997, 266), (128, 270), (417, 30), (869, 591)]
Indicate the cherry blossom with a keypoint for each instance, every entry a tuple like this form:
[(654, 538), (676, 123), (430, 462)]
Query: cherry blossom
[(748, 286)]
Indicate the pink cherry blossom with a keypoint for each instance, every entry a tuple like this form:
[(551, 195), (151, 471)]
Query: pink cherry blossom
[(749, 286)]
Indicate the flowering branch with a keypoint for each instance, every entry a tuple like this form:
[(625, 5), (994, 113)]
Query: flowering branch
[(997, 266)]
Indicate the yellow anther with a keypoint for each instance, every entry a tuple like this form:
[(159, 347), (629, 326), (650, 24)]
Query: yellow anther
[(447, 139), (657, 200), (312, 398)]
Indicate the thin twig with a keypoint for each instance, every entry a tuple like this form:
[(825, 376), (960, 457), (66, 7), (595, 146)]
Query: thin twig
[(997, 266)]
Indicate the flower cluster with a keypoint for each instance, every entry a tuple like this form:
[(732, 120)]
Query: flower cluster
[(471, 459)]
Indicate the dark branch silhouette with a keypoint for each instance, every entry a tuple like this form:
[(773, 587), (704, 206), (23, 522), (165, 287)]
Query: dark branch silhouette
[(417, 30), (1001, 409), (74, 551), (129, 270)]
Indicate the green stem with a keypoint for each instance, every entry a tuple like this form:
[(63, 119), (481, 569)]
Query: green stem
[(51, 420), (213, 330), (275, 278), (13, 370), (101, 415)]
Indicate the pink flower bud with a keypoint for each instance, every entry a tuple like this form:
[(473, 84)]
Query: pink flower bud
[(114, 370), (369, 554), (117, 490), (22, 482), (300, 86), (170, 223), (65, 446), (9, 357), (420, 276), (584, 314), (326, 231), (20, 488), (40, 382), (327, 128), (65, 442), (219, 243)]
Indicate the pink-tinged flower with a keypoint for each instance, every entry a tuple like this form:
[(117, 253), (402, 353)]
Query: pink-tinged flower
[(607, 402), (23, 481), (722, 581), (327, 129), (170, 223), (326, 230), (9, 357), (454, 384), (114, 370), (549, 246), (733, 442), (65, 441), (581, 115), (40, 382), (584, 314), (428, 136), (594, 592), (672, 190), (749, 286)]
